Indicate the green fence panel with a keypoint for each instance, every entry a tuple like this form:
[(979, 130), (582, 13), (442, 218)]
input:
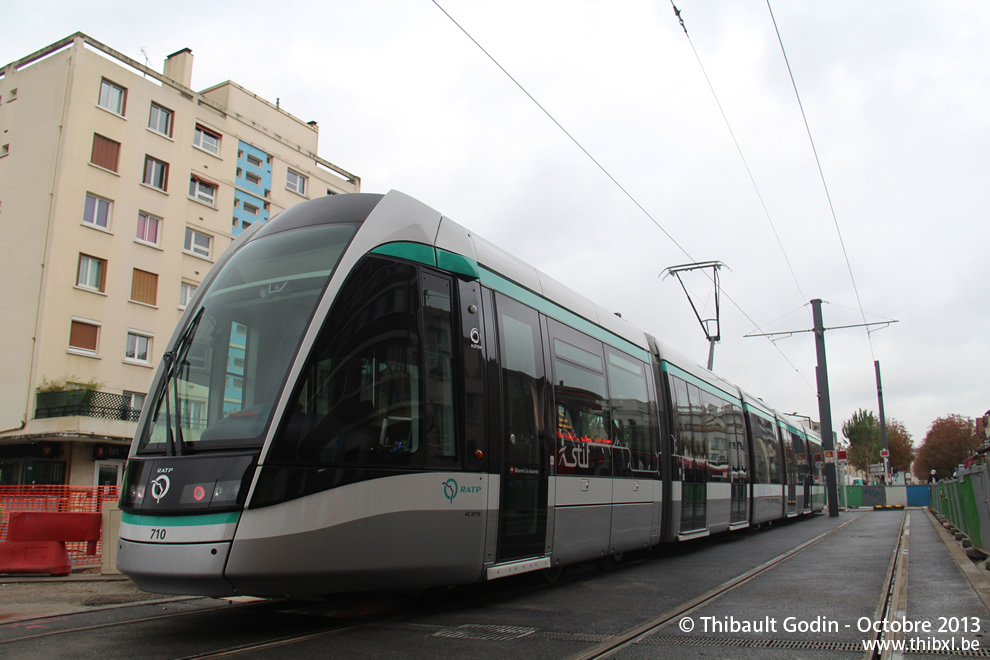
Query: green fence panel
[(854, 496)]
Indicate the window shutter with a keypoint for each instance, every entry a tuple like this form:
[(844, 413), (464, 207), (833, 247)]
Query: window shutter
[(144, 287), (84, 336), (106, 152)]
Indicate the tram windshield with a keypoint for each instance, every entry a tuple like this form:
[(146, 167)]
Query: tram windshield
[(224, 373)]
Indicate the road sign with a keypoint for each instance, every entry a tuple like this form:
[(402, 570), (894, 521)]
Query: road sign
[(830, 456), (877, 468), (885, 453)]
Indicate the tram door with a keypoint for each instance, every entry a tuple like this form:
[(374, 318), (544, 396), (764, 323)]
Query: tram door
[(522, 528), (791, 472), (691, 451)]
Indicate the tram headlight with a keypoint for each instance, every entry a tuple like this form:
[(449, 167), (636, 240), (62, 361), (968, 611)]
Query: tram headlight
[(135, 493), (226, 491)]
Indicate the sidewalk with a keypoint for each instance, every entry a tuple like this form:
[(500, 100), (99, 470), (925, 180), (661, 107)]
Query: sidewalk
[(29, 597)]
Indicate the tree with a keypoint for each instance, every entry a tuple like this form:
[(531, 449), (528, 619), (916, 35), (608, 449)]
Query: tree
[(950, 441), (866, 441), (863, 433), (901, 447)]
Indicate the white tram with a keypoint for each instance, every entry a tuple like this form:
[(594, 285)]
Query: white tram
[(365, 395)]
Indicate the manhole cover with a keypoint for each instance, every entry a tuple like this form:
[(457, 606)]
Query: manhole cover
[(478, 631)]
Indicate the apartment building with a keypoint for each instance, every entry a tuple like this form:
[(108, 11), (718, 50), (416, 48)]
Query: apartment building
[(119, 188)]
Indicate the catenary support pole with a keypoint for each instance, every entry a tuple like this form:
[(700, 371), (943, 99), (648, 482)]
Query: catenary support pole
[(825, 409), (883, 427)]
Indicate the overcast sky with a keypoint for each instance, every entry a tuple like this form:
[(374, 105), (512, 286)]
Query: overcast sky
[(896, 95)]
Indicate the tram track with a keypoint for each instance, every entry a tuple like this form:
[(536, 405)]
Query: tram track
[(108, 624), (631, 636), (426, 614), (894, 604)]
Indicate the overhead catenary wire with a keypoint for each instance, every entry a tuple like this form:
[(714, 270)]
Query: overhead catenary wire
[(605, 171), (821, 173), (742, 156), (564, 130)]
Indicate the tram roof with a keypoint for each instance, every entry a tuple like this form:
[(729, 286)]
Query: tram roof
[(463, 251)]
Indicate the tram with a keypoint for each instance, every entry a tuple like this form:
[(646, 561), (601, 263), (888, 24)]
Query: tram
[(365, 395)]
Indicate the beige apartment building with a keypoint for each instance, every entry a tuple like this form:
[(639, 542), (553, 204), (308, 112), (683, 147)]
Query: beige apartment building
[(119, 188)]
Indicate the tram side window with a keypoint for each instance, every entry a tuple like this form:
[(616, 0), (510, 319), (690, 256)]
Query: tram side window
[(522, 383), (737, 434), (718, 440), (761, 453), (438, 341), (761, 468), (802, 456), (377, 388), (790, 456), (699, 449), (740, 433), (580, 394), (581, 398), (629, 401), (692, 442), (682, 427)]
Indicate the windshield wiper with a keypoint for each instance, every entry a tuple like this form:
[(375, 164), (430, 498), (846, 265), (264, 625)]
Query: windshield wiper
[(173, 359)]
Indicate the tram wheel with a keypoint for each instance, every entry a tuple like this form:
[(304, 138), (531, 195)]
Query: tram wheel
[(606, 563), (552, 574)]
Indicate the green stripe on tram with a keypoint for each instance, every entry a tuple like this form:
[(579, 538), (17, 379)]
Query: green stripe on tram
[(758, 412), (418, 252), (457, 263), (181, 521), (791, 428), (674, 370), (553, 310)]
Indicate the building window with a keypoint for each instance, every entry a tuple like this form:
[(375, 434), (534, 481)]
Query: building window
[(207, 140), (97, 211), (136, 399), (254, 160), (202, 190), (160, 120), (198, 243), (106, 152), (148, 227), (92, 273), (138, 347), (4, 150), (84, 336), (144, 287), (155, 173), (113, 97), (296, 182), (186, 292), (253, 178), (251, 208)]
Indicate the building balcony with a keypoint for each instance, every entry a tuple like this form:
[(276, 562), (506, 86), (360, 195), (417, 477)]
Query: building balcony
[(85, 403)]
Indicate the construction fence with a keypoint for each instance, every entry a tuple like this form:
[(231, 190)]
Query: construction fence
[(963, 501), (870, 496)]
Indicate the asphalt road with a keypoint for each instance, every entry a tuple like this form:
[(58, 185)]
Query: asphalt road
[(835, 584)]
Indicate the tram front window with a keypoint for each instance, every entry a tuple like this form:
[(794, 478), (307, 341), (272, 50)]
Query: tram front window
[(378, 387), (226, 370)]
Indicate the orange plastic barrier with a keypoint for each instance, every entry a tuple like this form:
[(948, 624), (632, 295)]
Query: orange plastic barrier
[(36, 541), (57, 499)]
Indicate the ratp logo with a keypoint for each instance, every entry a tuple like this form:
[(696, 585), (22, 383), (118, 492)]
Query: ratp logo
[(450, 490), (159, 487)]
